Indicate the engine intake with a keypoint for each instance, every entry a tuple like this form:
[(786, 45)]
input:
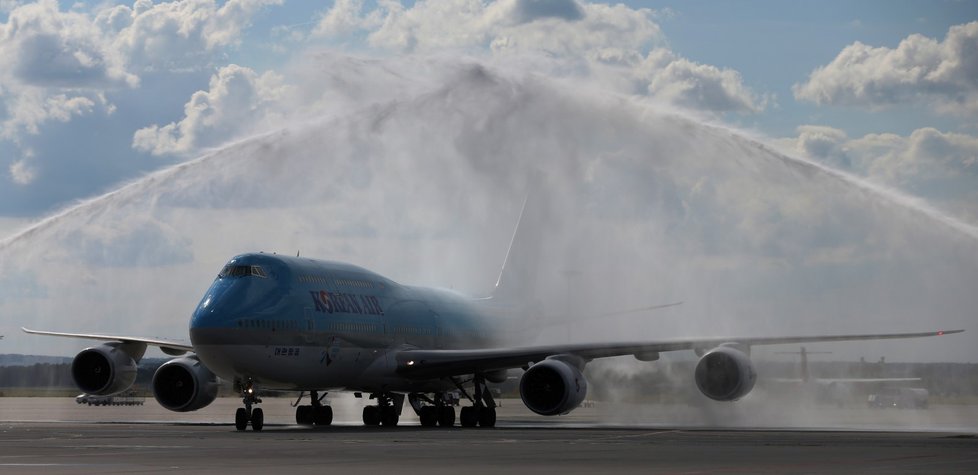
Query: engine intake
[(552, 387), (103, 370), (184, 385), (725, 374)]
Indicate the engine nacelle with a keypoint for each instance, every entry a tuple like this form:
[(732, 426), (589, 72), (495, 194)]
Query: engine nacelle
[(497, 377), (725, 374), (104, 369), (184, 384), (552, 387)]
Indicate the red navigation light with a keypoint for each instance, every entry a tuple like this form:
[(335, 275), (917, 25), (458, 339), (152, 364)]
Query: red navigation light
[(940, 333)]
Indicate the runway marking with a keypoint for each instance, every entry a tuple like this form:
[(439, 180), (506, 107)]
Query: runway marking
[(635, 436), (50, 464), (121, 446)]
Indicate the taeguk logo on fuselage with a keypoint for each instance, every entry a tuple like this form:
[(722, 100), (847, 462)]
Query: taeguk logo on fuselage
[(339, 302)]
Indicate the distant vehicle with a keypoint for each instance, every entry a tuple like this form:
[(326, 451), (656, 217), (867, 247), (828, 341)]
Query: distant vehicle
[(900, 398), (128, 398)]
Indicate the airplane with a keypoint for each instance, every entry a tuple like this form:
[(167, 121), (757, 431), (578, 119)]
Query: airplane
[(272, 322), (834, 390)]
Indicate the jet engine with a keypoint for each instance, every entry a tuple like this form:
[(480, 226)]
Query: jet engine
[(552, 387), (184, 385), (725, 374), (104, 369)]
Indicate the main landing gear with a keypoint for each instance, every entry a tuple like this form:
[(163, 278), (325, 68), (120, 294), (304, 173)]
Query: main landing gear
[(316, 413), (482, 412), (438, 411), (387, 412), (433, 412), (247, 414)]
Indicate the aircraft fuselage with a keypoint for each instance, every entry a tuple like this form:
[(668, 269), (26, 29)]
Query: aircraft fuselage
[(297, 323)]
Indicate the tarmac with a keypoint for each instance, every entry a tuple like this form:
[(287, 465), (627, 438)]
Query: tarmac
[(55, 435)]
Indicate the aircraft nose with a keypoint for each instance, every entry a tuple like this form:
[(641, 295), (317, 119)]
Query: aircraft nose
[(208, 312)]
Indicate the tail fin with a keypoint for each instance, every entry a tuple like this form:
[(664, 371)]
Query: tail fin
[(518, 282), (506, 272)]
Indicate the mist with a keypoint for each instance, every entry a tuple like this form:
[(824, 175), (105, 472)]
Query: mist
[(417, 167)]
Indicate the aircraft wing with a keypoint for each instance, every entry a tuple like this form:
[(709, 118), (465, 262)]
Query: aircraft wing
[(443, 363), (169, 347)]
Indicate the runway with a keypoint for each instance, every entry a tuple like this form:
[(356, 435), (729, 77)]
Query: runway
[(517, 445)]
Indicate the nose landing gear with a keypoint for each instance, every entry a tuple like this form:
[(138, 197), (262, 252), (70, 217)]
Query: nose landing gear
[(247, 414)]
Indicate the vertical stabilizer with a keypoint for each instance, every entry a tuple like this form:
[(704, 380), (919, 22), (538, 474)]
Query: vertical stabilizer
[(507, 262), (517, 284)]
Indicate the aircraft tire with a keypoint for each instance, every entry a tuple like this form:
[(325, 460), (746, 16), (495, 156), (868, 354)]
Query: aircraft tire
[(323, 415), (429, 416), (446, 417), (371, 415), (388, 417), (469, 417), (487, 417), (304, 415), (241, 419), (257, 419)]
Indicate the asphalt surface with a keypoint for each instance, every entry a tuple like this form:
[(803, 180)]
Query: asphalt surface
[(66, 440)]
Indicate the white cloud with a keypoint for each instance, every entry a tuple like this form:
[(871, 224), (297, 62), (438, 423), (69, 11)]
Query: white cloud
[(940, 166), (177, 34), (53, 65), (57, 65), (826, 144), (342, 19), (919, 69), (697, 86), (21, 172), (237, 99), (926, 154), (614, 44), (44, 47)]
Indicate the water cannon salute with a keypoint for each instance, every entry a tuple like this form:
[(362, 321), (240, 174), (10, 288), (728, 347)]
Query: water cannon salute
[(463, 220)]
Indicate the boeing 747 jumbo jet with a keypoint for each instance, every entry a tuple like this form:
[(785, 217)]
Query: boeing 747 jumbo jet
[(272, 322)]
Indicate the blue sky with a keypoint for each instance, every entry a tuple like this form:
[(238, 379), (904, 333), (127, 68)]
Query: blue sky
[(175, 125), (771, 46)]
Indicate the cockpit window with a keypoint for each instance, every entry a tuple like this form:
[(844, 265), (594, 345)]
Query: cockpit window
[(242, 271)]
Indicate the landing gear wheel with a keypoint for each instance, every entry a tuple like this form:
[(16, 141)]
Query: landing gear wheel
[(371, 416), (323, 415), (446, 416), (469, 417), (388, 416), (257, 419), (429, 416), (241, 419), (487, 417), (304, 415)]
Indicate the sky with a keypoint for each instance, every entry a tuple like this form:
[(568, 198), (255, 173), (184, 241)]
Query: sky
[(128, 129), (95, 94)]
